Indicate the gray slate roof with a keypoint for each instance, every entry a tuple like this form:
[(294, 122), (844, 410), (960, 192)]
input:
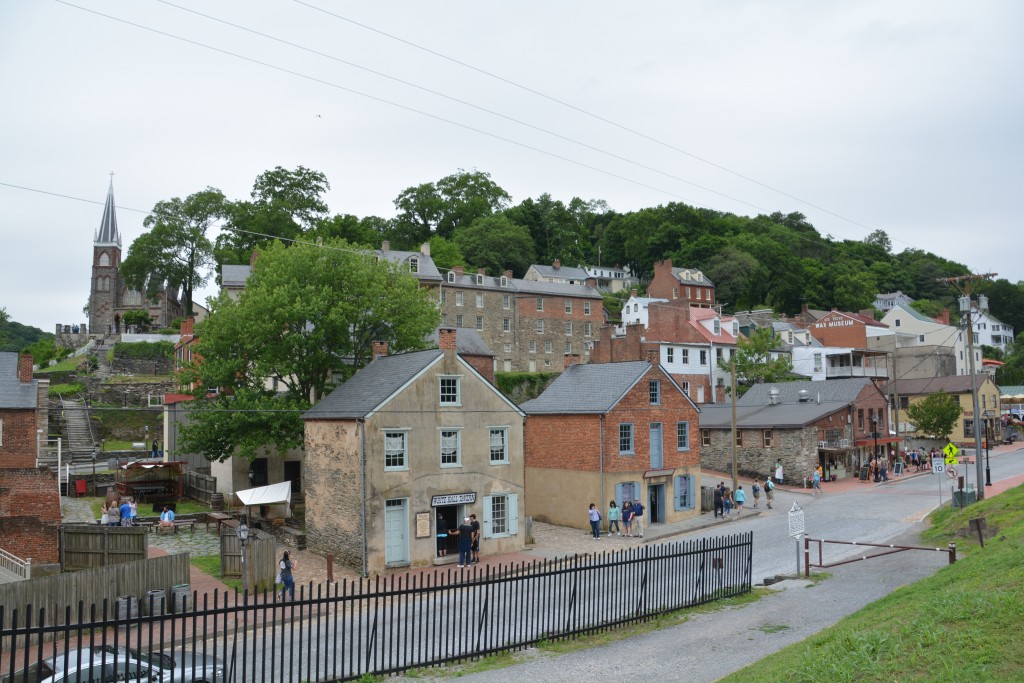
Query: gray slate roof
[(372, 386), (841, 390), (951, 384), (467, 342), (554, 288), (779, 416), (426, 268), (678, 272), (234, 276), (13, 393), (107, 233), (592, 388), (564, 272)]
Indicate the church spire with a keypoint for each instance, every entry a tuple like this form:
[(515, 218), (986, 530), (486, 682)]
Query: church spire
[(107, 233)]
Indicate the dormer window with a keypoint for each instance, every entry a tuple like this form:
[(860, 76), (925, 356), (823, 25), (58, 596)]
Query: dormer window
[(479, 279), (414, 265), (504, 281), (451, 276), (716, 326), (735, 329), (789, 336)]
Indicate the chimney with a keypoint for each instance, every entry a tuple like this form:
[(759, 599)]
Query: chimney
[(458, 270), (380, 348), (385, 246), (508, 274), (557, 264), (571, 359), (633, 292), (943, 317), (481, 271), (425, 248), (25, 368), (652, 356), (446, 338), (591, 282)]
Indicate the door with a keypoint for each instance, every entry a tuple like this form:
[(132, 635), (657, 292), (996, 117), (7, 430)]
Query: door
[(396, 531), (656, 503), (293, 473), (657, 453)]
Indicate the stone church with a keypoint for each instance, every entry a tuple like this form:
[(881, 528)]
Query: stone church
[(109, 296)]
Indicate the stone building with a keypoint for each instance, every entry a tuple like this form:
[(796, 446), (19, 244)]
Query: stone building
[(109, 296), (612, 431), (410, 439)]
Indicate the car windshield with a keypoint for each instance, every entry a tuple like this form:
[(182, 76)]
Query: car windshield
[(155, 658), (32, 674)]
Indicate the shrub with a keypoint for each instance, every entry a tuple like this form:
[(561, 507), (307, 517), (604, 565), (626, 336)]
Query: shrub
[(143, 350), (66, 389)]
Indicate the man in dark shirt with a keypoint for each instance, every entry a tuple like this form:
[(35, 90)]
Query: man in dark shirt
[(475, 547), (465, 533), (719, 504)]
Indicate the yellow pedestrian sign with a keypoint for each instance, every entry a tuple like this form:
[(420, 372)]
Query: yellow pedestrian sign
[(951, 451)]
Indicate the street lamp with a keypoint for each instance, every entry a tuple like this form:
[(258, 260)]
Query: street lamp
[(987, 417), (243, 538), (874, 434)]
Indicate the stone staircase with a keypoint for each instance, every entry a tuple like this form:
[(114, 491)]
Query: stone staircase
[(103, 347), (80, 444)]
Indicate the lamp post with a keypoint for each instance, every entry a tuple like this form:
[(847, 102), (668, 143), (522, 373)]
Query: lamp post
[(988, 438), (874, 435), (243, 538)]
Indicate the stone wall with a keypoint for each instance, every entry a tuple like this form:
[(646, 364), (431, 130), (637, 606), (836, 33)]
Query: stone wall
[(796, 448), (125, 394), (143, 366)]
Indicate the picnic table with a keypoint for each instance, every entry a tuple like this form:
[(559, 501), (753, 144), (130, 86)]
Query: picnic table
[(219, 518)]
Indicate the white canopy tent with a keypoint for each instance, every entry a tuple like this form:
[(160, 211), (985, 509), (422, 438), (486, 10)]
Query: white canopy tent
[(277, 497)]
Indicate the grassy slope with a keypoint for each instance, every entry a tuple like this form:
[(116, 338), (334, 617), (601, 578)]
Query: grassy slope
[(962, 624)]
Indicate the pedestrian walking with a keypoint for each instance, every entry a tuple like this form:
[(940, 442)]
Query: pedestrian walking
[(885, 470), (613, 518), (595, 521), (638, 517), (755, 489), (727, 500), (769, 491), (627, 519), (816, 483), (284, 568), (740, 497), (719, 500)]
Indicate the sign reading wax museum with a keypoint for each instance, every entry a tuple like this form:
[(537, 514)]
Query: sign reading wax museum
[(453, 499)]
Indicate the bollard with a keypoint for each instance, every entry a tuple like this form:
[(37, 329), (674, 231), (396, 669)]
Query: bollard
[(952, 553), (330, 568)]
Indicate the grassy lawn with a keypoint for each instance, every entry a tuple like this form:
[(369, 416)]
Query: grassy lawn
[(115, 445), (138, 379), (210, 564), (69, 363), (958, 625)]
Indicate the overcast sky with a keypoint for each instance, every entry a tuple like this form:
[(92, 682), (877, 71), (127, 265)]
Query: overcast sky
[(900, 116)]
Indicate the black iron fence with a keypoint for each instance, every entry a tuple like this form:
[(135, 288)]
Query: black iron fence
[(342, 631)]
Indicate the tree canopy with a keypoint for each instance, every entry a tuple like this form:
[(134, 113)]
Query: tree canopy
[(308, 315), (935, 415), (754, 363)]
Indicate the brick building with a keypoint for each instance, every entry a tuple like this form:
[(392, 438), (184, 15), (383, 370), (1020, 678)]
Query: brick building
[(688, 284), (612, 431), (529, 325), (409, 439), (29, 497)]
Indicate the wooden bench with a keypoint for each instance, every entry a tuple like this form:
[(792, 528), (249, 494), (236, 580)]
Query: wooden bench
[(178, 524)]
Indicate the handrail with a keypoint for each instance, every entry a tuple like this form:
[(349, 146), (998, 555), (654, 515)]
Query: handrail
[(15, 564)]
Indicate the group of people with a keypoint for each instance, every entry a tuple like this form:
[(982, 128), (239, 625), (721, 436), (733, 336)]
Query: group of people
[(468, 537), (626, 521), (125, 513), (921, 460), (726, 500), (878, 469)]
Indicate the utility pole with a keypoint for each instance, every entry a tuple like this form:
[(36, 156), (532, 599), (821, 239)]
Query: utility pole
[(966, 286), (733, 381)]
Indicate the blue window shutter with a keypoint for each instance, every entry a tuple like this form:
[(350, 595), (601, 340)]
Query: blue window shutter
[(513, 514), (618, 495), (486, 530), (679, 483), (692, 483)]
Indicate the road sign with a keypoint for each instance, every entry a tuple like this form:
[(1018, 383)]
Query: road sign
[(951, 473), (950, 450), (938, 466), (796, 521)]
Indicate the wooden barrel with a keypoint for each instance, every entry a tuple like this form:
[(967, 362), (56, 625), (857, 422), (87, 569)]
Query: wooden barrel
[(155, 602), (127, 608), (217, 502), (181, 598)]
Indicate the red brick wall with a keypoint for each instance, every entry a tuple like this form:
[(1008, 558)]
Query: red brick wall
[(574, 441), (30, 513), (19, 438), (838, 330), (482, 364)]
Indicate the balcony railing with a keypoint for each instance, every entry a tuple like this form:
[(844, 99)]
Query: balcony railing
[(855, 371)]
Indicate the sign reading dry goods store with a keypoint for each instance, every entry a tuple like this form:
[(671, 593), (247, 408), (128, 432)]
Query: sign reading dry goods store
[(453, 499)]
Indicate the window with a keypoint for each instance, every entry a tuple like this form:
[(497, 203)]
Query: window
[(705, 437), (860, 419), (739, 437), (501, 516), (506, 324), (568, 347), (540, 304), (444, 296), (626, 438), (506, 301), (817, 362), (451, 276), (682, 436), (451, 448), (904, 402), (450, 391), (586, 329), (719, 353), (540, 327), (703, 357), (716, 326), (396, 450), (533, 347), (686, 388), (920, 338), (568, 306), (568, 328), (898, 321), (458, 298), (479, 322), (414, 265), (675, 292), (499, 445), (687, 292), (586, 308), (548, 347), (458, 320), (654, 392), (504, 281), (684, 356), (636, 307), (479, 279), (508, 347), (670, 355), (767, 436), (479, 300)]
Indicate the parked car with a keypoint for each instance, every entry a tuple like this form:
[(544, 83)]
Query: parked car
[(109, 664)]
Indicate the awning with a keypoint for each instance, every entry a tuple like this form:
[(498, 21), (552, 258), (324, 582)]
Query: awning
[(663, 472), (278, 495)]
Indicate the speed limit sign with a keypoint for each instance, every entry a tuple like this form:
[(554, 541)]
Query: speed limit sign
[(951, 473)]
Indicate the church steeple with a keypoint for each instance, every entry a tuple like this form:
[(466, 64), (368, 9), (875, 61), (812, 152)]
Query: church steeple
[(107, 235)]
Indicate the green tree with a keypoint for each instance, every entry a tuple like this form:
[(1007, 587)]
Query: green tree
[(445, 253), (137, 316), (443, 207), (4, 319), (935, 415), (176, 250), (558, 231), (283, 204), (754, 363), (733, 273), (307, 314), (496, 244)]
